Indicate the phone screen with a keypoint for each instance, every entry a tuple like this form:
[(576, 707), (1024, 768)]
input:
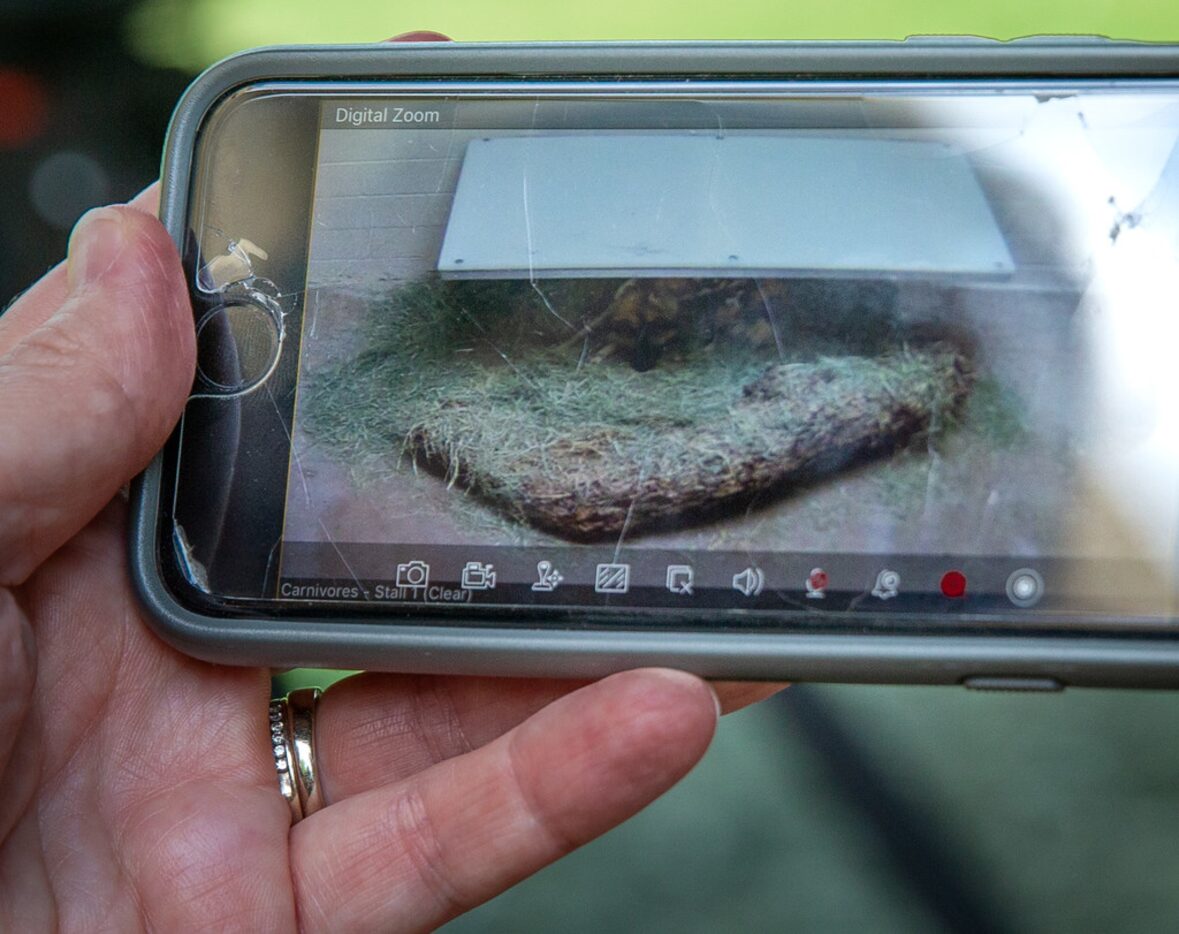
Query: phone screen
[(773, 353)]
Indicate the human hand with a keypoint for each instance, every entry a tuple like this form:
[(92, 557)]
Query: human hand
[(139, 785)]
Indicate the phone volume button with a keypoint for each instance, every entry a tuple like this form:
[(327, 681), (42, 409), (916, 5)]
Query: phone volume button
[(933, 39), (1004, 683)]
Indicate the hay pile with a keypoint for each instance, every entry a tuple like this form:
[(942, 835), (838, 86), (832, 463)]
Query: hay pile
[(478, 383)]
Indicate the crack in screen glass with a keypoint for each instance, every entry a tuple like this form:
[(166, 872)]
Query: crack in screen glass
[(906, 337)]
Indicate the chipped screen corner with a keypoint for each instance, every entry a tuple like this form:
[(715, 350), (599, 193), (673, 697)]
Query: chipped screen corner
[(832, 356)]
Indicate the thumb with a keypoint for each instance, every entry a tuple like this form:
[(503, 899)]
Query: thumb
[(90, 394)]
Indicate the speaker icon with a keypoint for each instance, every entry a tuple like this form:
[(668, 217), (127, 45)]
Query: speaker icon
[(749, 582)]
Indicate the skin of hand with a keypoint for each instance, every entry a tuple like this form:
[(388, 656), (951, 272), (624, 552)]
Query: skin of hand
[(138, 785)]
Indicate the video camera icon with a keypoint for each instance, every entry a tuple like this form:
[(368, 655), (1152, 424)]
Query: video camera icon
[(478, 576)]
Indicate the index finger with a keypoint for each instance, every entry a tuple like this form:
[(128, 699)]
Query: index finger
[(410, 854)]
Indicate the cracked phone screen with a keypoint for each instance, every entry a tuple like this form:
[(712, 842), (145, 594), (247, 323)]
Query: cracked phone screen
[(895, 352)]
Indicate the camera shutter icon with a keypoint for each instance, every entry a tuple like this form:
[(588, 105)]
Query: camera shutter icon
[(413, 575)]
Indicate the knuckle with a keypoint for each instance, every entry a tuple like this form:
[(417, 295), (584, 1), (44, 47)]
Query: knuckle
[(17, 655), (436, 721), (56, 353), (426, 852), (557, 839)]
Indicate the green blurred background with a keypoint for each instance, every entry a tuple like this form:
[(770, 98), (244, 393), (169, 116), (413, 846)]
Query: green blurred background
[(212, 28), (831, 808)]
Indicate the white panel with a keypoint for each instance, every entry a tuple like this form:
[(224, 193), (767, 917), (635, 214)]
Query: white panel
[(634, 204)]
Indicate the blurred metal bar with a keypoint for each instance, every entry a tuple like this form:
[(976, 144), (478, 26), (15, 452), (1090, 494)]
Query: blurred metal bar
[(929, 858)]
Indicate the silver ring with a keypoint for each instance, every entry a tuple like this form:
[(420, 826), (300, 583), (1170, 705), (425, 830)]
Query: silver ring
[(292, 738)]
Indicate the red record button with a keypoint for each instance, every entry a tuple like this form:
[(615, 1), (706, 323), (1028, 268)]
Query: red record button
[(954, 584)]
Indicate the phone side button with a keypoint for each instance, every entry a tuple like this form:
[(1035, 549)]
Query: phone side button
[(988, 683)]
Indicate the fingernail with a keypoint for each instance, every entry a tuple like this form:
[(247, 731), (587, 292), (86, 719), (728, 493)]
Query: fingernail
[(715, 700), (95, 244), (673, 674)]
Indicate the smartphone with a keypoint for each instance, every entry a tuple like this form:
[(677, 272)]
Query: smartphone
[(843, 361)]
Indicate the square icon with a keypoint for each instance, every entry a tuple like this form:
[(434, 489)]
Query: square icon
[(612, 578), (680, 578)]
